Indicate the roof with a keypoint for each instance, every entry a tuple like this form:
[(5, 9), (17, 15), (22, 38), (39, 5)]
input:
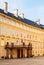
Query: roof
[(27, 21)]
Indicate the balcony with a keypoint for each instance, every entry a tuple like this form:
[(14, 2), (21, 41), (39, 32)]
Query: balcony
[(12, 46), (16, 46)]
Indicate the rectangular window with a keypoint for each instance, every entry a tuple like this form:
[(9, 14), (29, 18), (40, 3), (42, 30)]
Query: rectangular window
[(8, 32), (2, 19), (12, 23), (8, 21), (16, 33), (17, 24), (2, 30), (2, 42), (12, 33)]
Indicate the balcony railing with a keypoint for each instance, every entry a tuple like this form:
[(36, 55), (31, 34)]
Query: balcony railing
[(17, 46)]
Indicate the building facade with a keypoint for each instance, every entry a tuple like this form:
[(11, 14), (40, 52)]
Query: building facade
[(20, 37)]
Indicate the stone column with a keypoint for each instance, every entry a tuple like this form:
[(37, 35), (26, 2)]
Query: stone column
[(21, 52), (7, 53)]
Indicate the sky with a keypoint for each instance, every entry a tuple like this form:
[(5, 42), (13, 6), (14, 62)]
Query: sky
[(32, 9)]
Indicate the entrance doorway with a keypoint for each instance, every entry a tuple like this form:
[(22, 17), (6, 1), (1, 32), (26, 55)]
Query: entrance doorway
[(29, 50), (21, 53), (18, 53)]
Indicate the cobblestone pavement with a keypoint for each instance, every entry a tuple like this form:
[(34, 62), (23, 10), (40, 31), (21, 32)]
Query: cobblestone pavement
[(26, 61)]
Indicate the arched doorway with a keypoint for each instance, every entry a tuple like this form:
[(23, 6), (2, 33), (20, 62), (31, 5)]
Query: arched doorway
[(20, 50)]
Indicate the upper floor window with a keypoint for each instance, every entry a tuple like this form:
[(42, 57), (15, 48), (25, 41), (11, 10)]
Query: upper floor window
[(12, 33), (8, 32), (16, 33), (25, 27), (17, 24), (2, 30), (2, 19), (2, 42), (27, 35), (21, 34), (7, 21), (12, 23), (21, 26)]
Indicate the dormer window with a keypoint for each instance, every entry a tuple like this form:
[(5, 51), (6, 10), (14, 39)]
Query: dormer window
[(37, 22)]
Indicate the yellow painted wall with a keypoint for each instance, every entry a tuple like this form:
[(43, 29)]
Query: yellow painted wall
[(36, 39)]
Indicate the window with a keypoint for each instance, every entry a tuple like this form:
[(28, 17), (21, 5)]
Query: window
[(30, 36), (33, 51), (25, 27), (21, 34), (16, 42), (7, 21), (2, 42), (16, 33), (12, 32), (27, 35), (12, 23), (2, 30), (8, 32), (17, 24), (21, 26), (36, 52), (2, 19)]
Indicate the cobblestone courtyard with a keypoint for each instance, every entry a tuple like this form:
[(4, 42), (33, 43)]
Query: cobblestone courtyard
[(26, 61)]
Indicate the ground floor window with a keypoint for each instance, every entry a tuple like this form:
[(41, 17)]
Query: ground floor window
[(2, 42)]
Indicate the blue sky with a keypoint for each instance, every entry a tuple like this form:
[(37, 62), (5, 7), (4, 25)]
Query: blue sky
[(32, 9)]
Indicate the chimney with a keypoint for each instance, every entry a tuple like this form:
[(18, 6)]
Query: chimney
[(21, 15), (37, 21), (16, 12), (5, 7)]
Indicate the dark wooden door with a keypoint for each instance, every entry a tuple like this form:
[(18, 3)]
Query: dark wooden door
[(18, 53)]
